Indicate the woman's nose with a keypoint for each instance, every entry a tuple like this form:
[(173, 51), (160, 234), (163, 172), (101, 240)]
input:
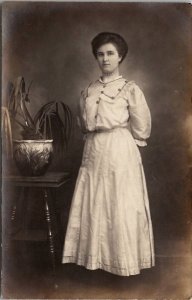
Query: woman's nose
[(105, 57)]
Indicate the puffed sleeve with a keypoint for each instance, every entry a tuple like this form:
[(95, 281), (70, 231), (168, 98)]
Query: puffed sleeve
[(140, 117)]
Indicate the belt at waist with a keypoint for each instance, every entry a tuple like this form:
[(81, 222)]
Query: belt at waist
[(100, 130)]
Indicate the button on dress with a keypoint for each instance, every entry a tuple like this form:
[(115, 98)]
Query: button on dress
[(109, 224)]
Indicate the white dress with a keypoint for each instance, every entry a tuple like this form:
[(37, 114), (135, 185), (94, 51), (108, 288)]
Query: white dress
[(109, 224)]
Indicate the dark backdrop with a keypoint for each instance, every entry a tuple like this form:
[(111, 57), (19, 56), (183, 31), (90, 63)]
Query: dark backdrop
[(49, 43)]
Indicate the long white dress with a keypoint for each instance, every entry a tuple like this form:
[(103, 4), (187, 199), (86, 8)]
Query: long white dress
[(109, 224)]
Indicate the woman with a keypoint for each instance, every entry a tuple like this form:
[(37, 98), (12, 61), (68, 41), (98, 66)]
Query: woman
[(109, 224)]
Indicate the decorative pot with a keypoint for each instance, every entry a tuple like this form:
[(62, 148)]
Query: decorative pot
[(32, 157)]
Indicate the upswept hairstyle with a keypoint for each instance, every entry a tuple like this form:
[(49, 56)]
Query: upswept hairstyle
[(110, 37)]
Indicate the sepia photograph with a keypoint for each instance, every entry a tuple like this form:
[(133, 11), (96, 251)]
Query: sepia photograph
[(96, 125)]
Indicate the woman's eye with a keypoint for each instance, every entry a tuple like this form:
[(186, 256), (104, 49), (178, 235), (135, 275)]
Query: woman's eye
[(110, 53), (99, 54)]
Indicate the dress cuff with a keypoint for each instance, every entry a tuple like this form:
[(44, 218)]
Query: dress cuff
[(140, 143)]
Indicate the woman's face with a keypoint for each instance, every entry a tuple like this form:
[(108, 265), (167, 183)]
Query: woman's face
[(108, 58)]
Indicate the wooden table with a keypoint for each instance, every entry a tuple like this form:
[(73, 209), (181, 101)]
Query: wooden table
[(47, 183)]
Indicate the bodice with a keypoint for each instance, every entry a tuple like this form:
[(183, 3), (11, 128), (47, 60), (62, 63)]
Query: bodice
[(115, 104)]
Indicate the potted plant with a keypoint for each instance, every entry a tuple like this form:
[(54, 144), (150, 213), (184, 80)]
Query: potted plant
[(47, 132), (7, 144), (6, 131)]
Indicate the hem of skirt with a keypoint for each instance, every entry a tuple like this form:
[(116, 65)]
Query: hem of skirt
[(108, 268)]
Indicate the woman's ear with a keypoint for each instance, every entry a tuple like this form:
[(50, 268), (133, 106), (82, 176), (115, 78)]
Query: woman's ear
[(120, 59)]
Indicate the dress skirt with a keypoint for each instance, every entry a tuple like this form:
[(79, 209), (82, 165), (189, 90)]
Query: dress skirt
[(109, 224)]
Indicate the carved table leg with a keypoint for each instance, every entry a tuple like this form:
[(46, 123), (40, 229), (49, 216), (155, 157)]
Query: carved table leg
[(13, 213), (59, 236), (57, 221), (50, 228), (25, 210), (19, 210)]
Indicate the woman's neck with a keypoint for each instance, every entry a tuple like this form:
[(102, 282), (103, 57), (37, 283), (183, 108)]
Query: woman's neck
[(110, 76)]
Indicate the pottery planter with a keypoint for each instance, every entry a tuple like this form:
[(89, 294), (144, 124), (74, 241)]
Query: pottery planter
[(32, 157)]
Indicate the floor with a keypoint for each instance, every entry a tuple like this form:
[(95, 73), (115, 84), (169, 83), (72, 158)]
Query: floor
[(27, 274)]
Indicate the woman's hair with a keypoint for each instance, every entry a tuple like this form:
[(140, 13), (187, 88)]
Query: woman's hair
[(113, 38)]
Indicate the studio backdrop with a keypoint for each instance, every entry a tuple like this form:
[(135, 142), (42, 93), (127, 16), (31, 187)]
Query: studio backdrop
[(49, 43)]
